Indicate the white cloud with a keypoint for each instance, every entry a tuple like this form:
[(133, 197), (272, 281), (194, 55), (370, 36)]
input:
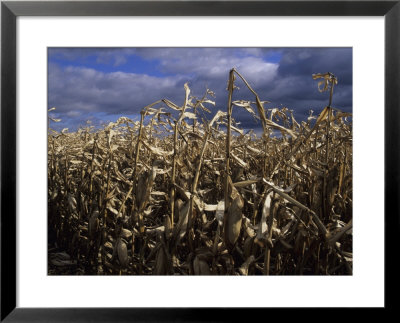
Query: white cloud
[(215, 63), (74, 113), (84, 89)]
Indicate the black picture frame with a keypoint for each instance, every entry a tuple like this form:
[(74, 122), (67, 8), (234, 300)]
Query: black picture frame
[(10, 10)]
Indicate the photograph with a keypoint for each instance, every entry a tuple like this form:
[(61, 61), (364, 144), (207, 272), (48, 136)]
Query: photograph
[(199, 161)]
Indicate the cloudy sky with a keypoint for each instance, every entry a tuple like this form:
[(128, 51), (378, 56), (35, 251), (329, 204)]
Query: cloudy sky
[(102, 84)]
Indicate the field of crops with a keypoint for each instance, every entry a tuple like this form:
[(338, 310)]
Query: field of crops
[(186, 191)]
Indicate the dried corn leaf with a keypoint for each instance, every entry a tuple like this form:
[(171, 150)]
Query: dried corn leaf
[(160, 267), (246, 183), (244, 268), (200, 267), (172, 105), (157, 151), (239, 161), (262, 230), (219, 212), (234, 216), (180, 228), (281, 128), (122, 251), (189, 115)]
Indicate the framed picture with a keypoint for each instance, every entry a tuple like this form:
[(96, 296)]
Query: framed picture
[(135, 174)]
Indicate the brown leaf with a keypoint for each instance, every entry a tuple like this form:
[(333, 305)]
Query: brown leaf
[(122, 253)]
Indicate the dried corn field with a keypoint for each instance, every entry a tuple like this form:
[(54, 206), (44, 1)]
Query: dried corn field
[(186, 191)]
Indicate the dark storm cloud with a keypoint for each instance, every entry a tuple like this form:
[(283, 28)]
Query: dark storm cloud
[(302, 61), (294, 87), (282, 76)]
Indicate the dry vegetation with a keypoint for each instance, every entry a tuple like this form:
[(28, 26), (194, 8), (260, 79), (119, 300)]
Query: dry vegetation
[(181, 192)]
